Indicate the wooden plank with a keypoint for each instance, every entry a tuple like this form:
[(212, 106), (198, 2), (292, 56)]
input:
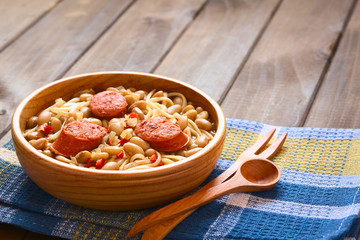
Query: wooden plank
[(50, 47), (17, 15), (214, 48), (277, 83), (140, 38), (9, 232), (337, 105)]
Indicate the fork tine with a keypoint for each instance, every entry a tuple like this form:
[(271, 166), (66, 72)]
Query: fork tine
[(274, 148), (260, 143)]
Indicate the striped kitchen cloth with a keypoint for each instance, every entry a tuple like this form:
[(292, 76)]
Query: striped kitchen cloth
[(316, 198)]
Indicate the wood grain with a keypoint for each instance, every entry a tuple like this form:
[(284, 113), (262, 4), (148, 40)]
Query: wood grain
[(19, 15), (140, 38), (46, 50), (337, 105), (212, 50), (277, 83)]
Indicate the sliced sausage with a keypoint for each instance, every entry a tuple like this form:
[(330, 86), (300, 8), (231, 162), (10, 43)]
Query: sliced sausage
[(108, 104), (162, 134), (157, 129), (172, 145), (78, 136)]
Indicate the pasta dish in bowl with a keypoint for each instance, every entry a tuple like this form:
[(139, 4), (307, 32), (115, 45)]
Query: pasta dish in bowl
[(133, 140)]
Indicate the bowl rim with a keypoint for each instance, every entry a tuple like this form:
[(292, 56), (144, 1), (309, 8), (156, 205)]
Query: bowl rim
[(166, 169)]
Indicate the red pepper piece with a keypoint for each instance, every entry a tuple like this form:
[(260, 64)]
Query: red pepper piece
[(133, 115), (46, 129), (100, 163), (153, 157), (123, 141), (88, 163), (120, 155)]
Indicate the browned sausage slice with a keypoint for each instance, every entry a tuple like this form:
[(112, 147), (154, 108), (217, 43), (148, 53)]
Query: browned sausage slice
[(157, 129), (172, 145), (78, 136), (162, 134), (108, 104)]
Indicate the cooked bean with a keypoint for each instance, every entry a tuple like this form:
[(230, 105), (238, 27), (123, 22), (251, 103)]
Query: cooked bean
[(129, 99), (188, 108), (62, 119), (202, 141), (55, 124), (139, 113), (178, 100), (116, 126), (133, 149), (140, 142), (44, 117), (39, 144), (72, 114), (158, 94), (85, 97), (191, 114), (149, 152), (113, 89), (94, 121), (32, 135), (98, 155), (111, 166), (83, 156), (141, 94), (183, 122), (203, 114), (86, 111), (140, 104), (176, 108), (112, 150), (48, 153), (32, 122), (199, 109), (191, 152), (203, 124)]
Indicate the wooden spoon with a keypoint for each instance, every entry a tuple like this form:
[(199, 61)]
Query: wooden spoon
[(255, 174)]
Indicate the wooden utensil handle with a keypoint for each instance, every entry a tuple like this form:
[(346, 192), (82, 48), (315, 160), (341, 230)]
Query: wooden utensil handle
[(200, 198), (160, 230)]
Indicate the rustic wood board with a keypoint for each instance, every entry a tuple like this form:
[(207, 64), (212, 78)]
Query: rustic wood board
[(277, 83), (45, 52), (337, 105), (140, 38), (213, 49), (19, 15)]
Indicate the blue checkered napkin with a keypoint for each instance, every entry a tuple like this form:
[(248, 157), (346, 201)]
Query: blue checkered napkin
[(316, 198)]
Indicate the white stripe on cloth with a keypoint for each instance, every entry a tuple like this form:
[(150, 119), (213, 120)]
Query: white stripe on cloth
[(9, 156), (293, 208), (227, 219)]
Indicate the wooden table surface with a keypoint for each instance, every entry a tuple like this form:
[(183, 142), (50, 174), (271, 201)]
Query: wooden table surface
[(280, 62)]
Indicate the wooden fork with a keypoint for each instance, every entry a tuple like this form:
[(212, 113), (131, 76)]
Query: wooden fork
[(160, 228)]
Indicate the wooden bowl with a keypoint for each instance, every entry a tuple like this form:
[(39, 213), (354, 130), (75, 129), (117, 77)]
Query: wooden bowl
[(115, 190)]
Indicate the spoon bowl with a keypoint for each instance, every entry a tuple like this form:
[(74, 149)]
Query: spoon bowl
[(260, 172)]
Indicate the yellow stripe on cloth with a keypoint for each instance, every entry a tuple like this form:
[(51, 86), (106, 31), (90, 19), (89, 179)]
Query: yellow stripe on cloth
[(320, 156)]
